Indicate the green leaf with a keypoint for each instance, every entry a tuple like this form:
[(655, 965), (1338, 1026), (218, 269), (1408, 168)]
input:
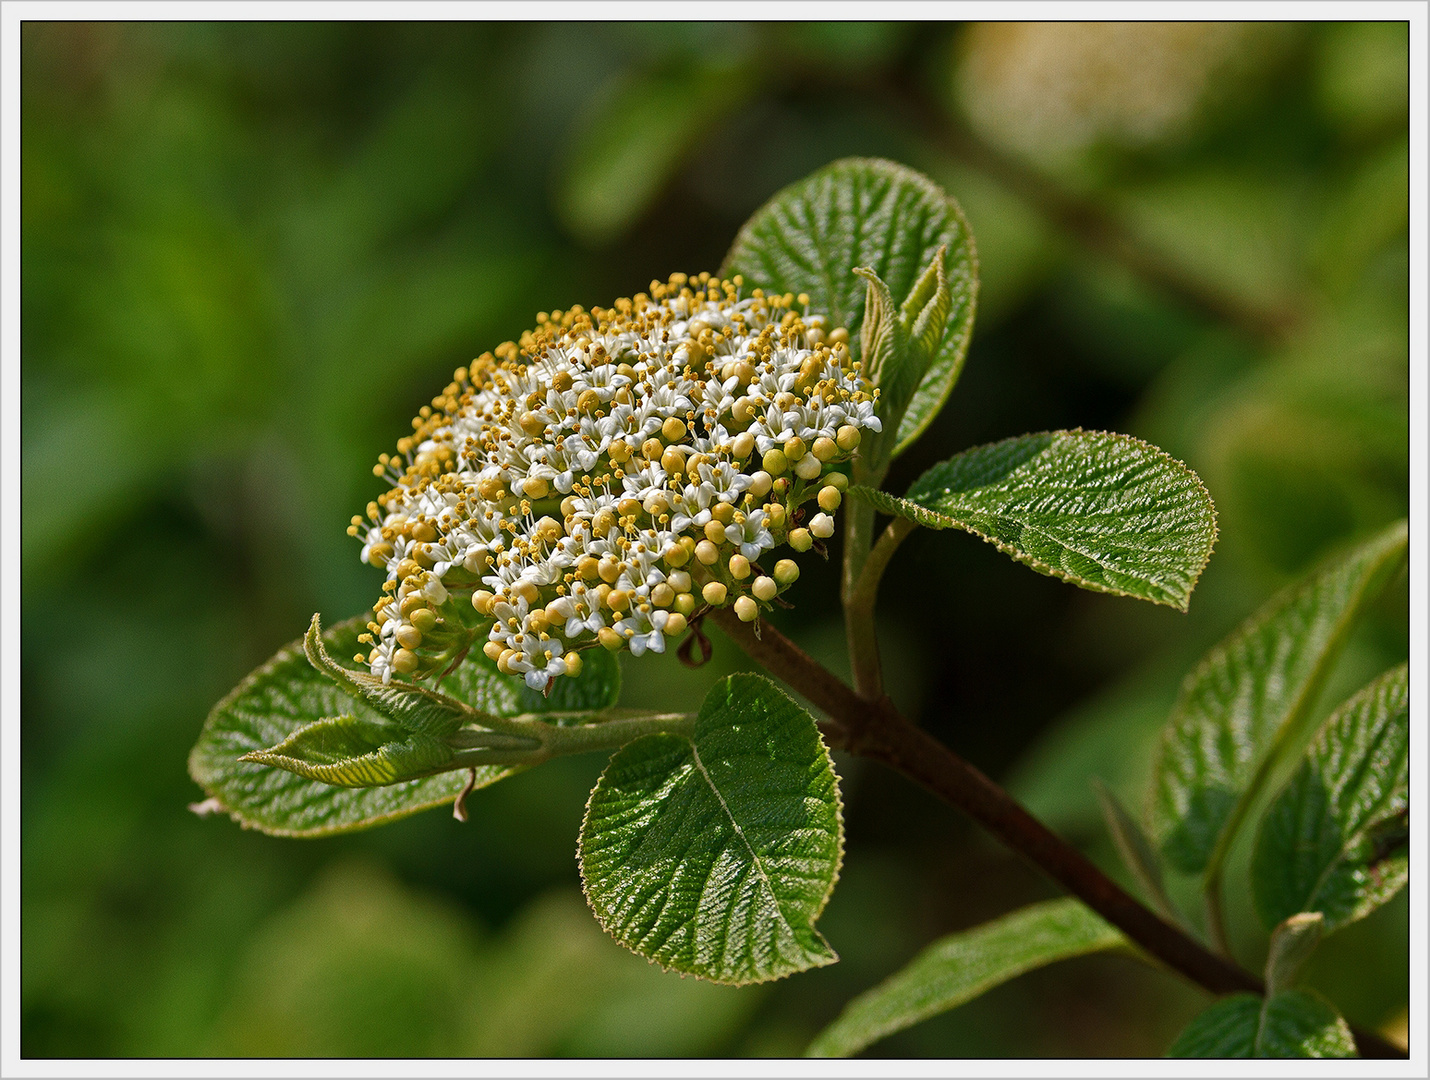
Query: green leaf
[(353, 752), (1334, 839), (960, 967), (1247, 697), (1293, 1024), (1292, 944), (288, 694), (1105, 512), (875, 214), (714, 853), (412, 708)]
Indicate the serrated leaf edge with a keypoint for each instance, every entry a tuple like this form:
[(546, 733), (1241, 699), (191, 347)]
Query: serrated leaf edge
[(600, 918), (922, 515)]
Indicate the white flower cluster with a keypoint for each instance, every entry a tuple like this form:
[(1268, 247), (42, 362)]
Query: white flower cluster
[(609, 475)]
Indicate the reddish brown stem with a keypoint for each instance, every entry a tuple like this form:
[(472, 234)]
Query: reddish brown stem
[(876, 730)]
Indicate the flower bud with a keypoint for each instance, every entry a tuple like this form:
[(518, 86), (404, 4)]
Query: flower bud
[(822, 526), (714, 593), (746, 610)]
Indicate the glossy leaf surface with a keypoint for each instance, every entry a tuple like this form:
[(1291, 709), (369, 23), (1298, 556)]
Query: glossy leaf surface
[(1293, 1024), (1105, 512), (1334, 840), (1249, 693), (714, 853)]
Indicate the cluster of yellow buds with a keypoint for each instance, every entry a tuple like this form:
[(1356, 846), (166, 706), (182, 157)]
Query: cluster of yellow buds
[(605, 478)]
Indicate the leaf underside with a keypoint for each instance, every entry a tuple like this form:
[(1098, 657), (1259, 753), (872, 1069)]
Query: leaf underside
[(715, 854), (960, 967), (1334, 840), (876, 214), (288, 694), (1246, 698), (1292, 1024), (1105, 512)]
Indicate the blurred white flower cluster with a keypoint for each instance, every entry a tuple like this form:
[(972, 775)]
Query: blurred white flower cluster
[(608, 476)]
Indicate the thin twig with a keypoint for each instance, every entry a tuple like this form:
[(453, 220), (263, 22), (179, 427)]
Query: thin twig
[(875, 729)]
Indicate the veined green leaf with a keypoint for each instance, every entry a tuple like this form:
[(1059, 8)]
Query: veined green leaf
[(958, 968), (1247, 697), (288, 693), (352, 752), (1293, 1024), (413, 708), (1105, 512), (1334, 840), (714, 853), (875, 214)]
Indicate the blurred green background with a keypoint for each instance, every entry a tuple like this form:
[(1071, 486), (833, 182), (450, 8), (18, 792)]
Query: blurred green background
[(250, 252)]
